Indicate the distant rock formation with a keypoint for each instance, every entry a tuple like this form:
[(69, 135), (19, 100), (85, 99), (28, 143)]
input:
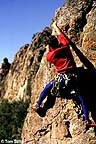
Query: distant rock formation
[(4, 68), (23, 69)]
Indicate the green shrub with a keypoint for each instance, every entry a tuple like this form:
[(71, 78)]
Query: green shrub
[(12, 117)]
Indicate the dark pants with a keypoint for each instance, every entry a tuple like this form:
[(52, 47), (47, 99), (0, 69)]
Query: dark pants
[(47, 89), (44, 93)]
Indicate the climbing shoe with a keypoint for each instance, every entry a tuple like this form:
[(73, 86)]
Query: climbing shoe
[(35, 107), (89, 124)]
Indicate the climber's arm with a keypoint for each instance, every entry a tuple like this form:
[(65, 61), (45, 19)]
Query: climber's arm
[(61, 36), (55, 29), (47, 48)]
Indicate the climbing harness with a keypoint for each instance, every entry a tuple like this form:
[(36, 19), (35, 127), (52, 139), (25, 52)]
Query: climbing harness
[(64, 82)]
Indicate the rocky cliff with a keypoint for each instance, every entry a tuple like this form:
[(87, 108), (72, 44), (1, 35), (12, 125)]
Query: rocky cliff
[(60, 121)]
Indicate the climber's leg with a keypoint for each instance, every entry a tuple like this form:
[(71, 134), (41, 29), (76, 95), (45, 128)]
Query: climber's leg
[(88, 122), (43, 94), (84, 109)]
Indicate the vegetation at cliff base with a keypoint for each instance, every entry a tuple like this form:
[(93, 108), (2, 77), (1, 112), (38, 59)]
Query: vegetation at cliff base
[(12, 117)]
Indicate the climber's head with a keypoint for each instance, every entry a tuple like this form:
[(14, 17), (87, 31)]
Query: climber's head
[(52, 41)]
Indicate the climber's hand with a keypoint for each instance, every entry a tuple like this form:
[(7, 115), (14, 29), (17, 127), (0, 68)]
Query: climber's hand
[(54, 24), (55, 29)]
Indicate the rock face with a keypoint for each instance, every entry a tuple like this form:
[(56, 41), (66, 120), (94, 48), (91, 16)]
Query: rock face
[(60, 120)]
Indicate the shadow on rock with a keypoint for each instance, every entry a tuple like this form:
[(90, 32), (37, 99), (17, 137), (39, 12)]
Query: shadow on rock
[(47, 105), (87, 86)]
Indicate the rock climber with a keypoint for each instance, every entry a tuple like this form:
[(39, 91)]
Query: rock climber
[(58, 53)]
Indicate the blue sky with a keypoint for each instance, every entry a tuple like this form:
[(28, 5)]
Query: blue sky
[(20, 19)]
